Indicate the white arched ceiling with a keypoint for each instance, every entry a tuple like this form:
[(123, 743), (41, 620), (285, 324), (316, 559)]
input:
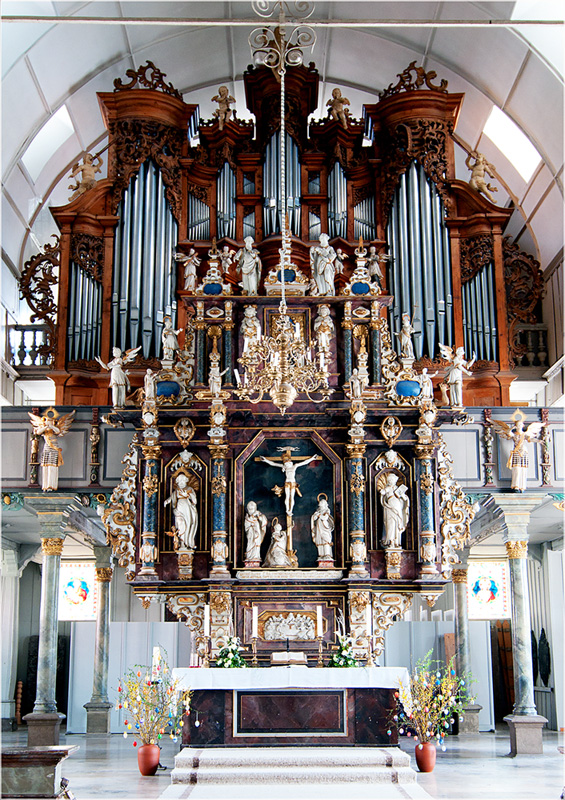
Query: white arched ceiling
[(48, 65)]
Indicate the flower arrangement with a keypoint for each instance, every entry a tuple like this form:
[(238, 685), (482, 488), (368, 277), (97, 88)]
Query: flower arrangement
[(426, 706), (343, 656), (153, 703), (229, 657)]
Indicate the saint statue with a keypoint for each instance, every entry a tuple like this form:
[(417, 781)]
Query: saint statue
[(119, 380), (276, 554), (425, 381), (322, 262), (396, 509), (322, 525), (215, 380), (149, 385), (169, 339), (255, 525), (374, 266), (406, 331), (51, 426), (185, 509), (249, 266), (250, 327), (191, 263), (457, 366), (324, 327), (518, 459)]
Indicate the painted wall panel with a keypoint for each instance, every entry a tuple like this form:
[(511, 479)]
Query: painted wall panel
[(15, 450), (465, 447)]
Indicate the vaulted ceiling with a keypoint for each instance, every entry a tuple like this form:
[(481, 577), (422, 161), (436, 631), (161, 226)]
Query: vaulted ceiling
[(57, 55)]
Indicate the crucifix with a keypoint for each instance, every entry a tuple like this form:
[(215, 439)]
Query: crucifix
[(289, 467)]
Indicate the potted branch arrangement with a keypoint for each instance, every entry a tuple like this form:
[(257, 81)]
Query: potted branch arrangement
[(343, 656), (154, 707), (425, 707)]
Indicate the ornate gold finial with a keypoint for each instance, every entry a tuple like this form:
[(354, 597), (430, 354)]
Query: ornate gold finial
[(517, 549), (52, 547)]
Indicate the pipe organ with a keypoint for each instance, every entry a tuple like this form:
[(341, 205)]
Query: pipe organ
[(386, 254)]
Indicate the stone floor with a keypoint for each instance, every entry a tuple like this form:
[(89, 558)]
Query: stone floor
[(473, 768)]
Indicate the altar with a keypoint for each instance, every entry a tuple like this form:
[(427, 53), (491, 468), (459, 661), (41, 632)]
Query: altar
[(290, 705)]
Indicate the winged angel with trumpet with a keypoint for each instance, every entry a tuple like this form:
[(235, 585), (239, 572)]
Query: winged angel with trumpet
[(518, 458), (51, 425)]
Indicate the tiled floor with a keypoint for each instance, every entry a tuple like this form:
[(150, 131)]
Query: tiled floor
[(472, 768)]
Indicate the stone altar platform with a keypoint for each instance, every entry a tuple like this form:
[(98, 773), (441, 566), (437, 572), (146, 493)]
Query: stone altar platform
[(287, 706)]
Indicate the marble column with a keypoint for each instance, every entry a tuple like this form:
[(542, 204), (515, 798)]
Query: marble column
[(227, 338), (356, 522), (525, 724), (44, 722), (98, 708), (219, 567), (9, 597), (347, 325), (469, 721), (149, 551)]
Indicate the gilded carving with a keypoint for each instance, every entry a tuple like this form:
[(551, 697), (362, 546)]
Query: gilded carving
[(517, 549), (426, 483), (184, 430), (104, 574), (150, 485), (220, 602), (459, 576), (388, 608), (189, 608), (357, 481), (218, 485), (119, 515), (359, 600), (52, 547)]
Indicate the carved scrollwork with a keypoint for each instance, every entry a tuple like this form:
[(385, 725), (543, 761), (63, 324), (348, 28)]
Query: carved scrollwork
[(361, 193), (88, 252), (220, 602), (476, 252), (152, 81), (388, 607), (200, 192), (119, 515), (455, 511), (524, 290), (39, 276), (189, 608), (137, 140), (408, 82)]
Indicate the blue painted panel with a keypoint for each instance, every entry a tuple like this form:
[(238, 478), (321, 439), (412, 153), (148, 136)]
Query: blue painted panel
[(559, 454), (360, 288), (408, 388), (465, 447), (113, 447), (213, 288)]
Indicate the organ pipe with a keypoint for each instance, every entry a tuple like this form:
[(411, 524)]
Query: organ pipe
[(226, 202), (479, 315), (272, 200), (337, 202), (364, 219), (420, 267), (144, 285)]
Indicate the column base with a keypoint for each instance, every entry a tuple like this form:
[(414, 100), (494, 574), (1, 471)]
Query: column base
[(469, 720), (358, 572), (525, 733), (43, 728), (220, 572), (97, 716)]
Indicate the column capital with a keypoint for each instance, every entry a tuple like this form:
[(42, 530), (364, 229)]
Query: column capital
[(104, 574), (516, 549), (52, 546), (103, 555), (516, 509), (459, 575)]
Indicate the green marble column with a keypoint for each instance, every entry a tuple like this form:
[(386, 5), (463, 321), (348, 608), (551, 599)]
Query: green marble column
[(98, 708)]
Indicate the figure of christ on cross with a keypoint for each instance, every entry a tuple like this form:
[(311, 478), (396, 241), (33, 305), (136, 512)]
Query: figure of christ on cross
[(289, 467)]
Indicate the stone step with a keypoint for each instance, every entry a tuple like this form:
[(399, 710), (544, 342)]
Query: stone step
[(294, 775), (191, 758)]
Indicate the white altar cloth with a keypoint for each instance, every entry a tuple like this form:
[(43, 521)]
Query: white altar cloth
[(292, 678)]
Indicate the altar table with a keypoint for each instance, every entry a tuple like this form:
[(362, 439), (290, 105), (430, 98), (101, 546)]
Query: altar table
[(290, 705)]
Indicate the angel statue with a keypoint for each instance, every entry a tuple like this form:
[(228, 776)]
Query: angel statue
[(51, 426), (87, 170), (457, 366), (119, 380), (518, 458), (479, 169)]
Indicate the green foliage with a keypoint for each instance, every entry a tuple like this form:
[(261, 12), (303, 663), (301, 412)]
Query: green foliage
[(229, 657), (343, 656)]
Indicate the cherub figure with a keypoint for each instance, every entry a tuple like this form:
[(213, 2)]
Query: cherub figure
[(479, 169), (518, 458), (338, 110), (119, 380), (226, 258), (340, 259), (51, 426), (223, 112), (191, 263), (457, 366), (88, 169)]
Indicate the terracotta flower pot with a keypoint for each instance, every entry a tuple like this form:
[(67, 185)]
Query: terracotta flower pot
[(426, 756), (148, 758)]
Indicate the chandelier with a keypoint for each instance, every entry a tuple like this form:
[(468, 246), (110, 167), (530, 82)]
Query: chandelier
[(282, 365)]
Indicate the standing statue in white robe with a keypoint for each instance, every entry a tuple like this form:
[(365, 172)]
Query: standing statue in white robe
[(322, 526), (185, 509), (396, 509)]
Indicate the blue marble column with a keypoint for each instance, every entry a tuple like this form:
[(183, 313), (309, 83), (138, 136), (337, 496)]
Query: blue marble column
[(219, 527), (98, 709), (148, 552), (375, 354), (227, 354), (426, 533), (200, 351), (347, 350), (356, 517)]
